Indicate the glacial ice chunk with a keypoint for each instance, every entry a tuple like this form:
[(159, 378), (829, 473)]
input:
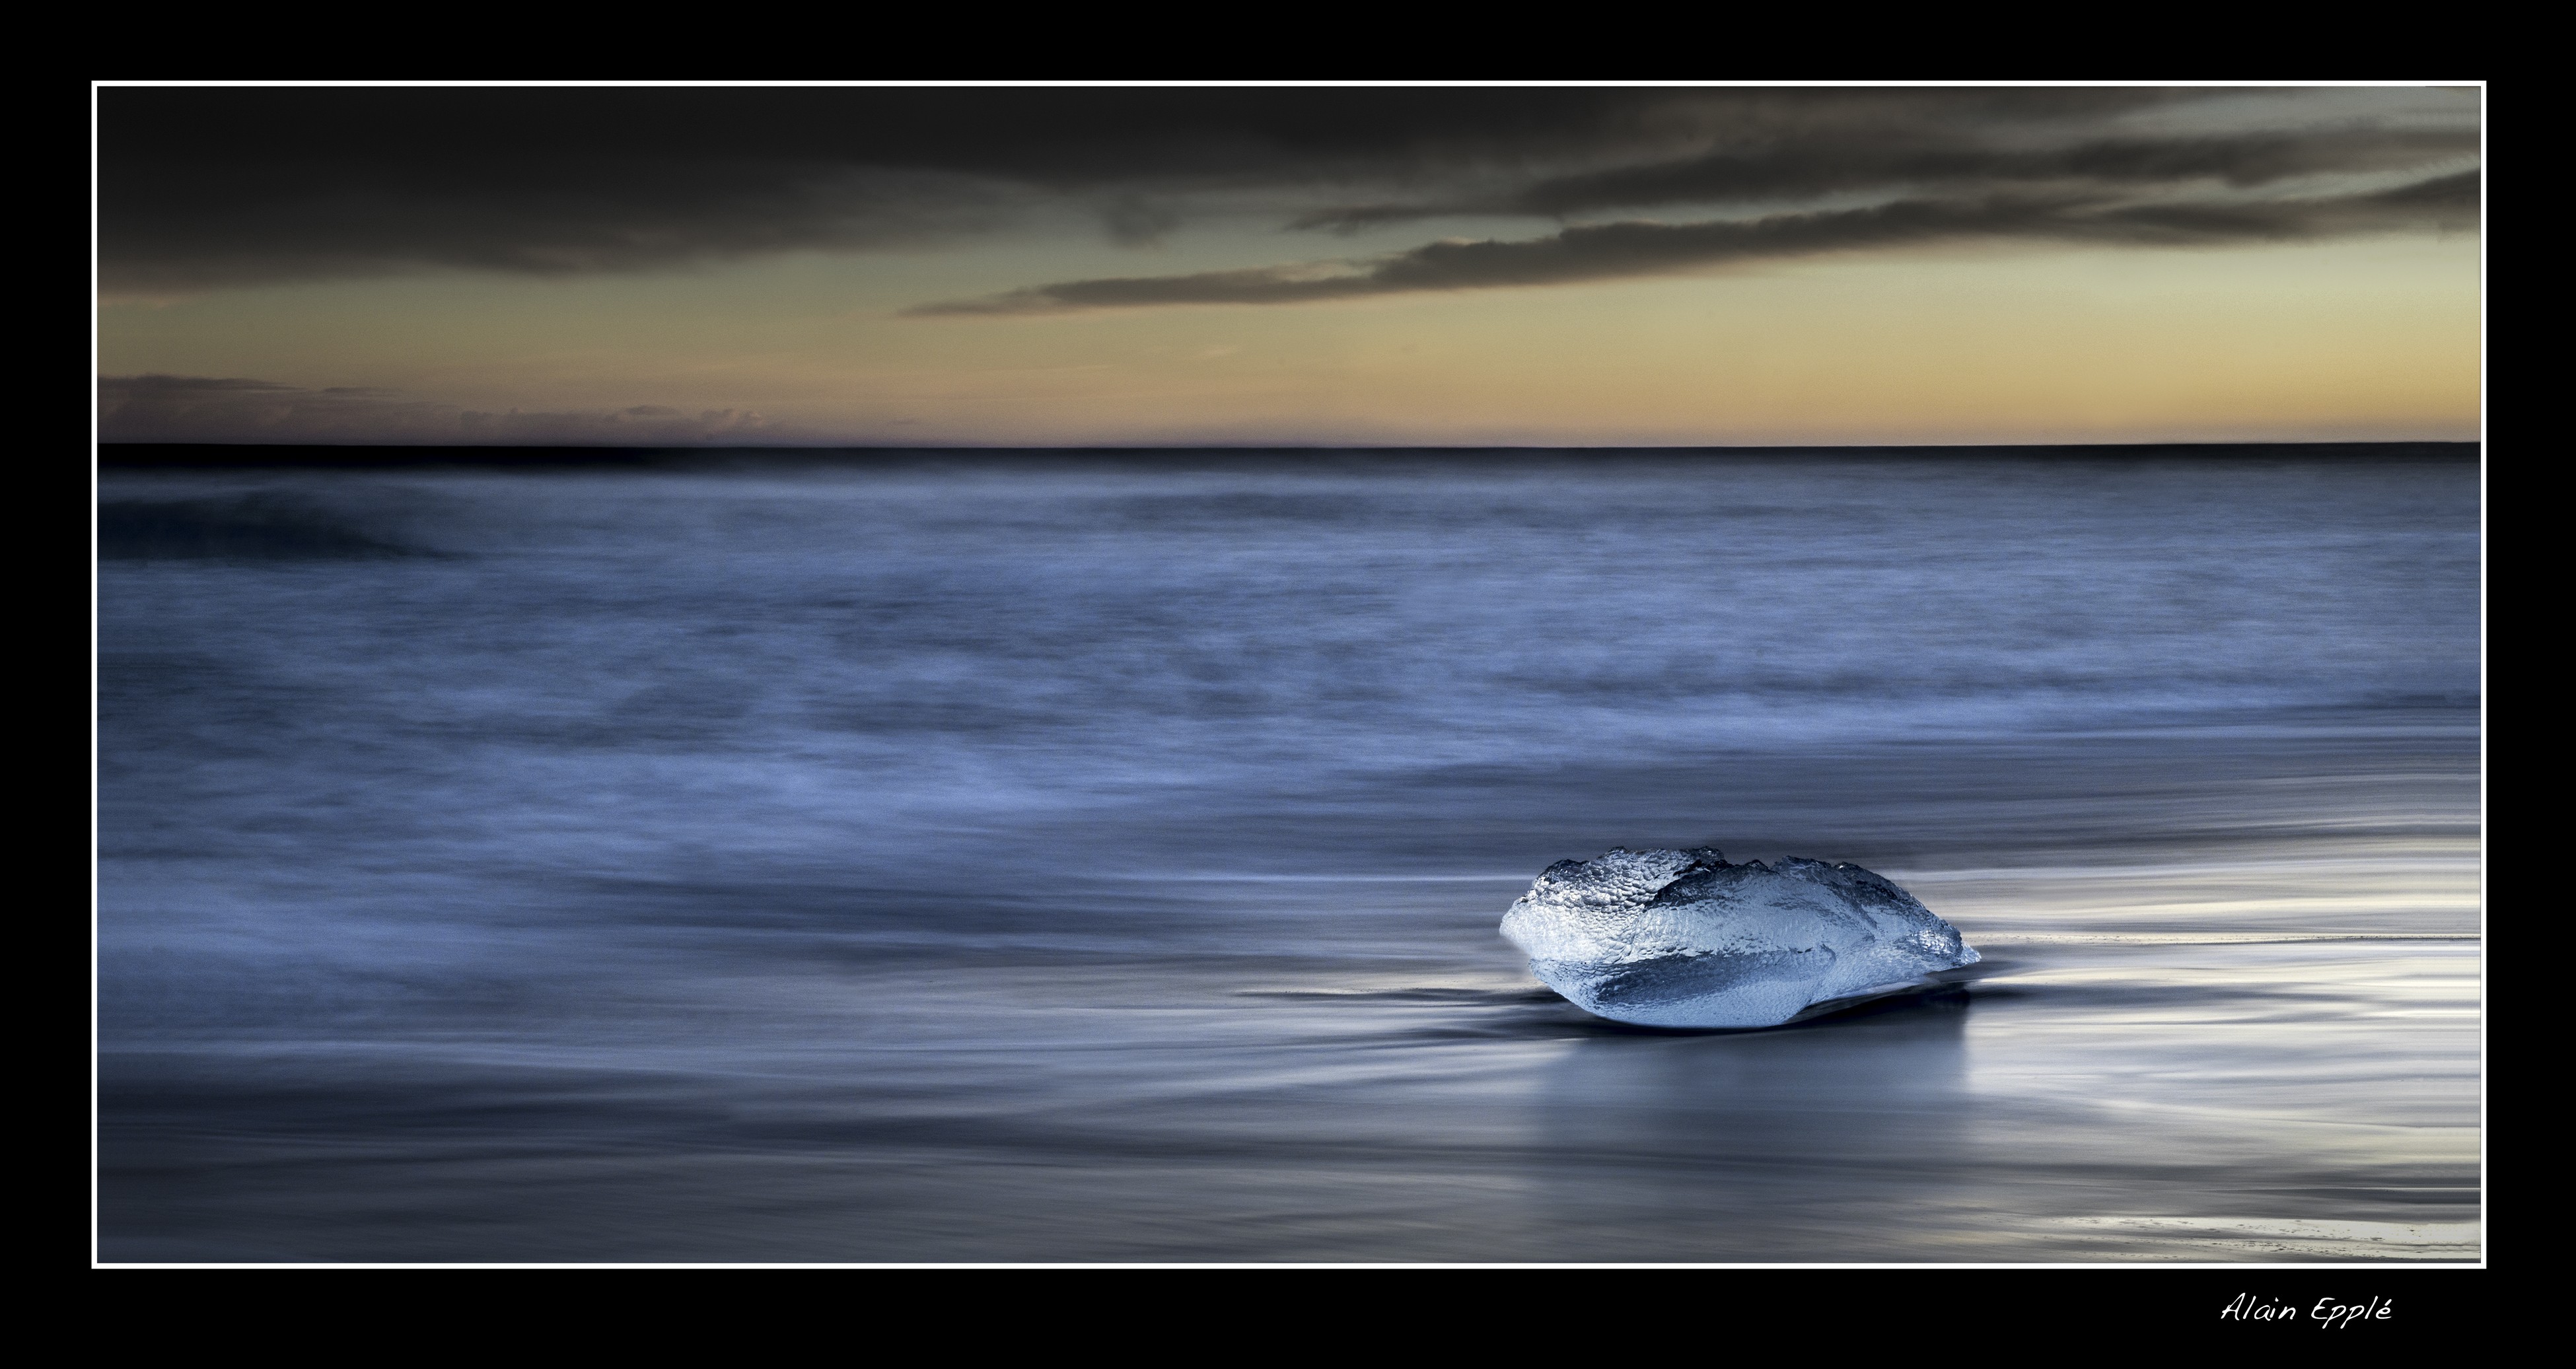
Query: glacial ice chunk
[(1684, 939)]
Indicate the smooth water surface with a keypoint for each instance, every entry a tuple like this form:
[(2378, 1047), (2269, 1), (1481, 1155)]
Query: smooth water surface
[(1065, 857)]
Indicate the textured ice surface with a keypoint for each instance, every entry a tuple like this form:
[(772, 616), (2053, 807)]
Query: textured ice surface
[(1684, 939)]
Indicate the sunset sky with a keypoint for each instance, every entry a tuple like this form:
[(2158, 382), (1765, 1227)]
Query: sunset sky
[(1454, 266)]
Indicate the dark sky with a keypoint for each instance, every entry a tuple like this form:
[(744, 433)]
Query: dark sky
[(204, 186), (402, 259)]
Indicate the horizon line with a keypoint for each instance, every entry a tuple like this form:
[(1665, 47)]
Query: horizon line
[(107, 444)]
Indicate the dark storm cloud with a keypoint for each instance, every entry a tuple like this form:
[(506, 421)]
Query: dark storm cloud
[(160, 408), (1897, 158), (201, 186), (1637, 248), (207, 186)]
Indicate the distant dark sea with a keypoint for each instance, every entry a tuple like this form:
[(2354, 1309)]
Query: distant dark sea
[(1053, 856)]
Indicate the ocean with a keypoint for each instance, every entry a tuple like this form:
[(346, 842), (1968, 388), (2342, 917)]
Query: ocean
[(1081, 856)]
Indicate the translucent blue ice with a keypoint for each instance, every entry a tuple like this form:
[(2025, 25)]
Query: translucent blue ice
[(1684, 939)]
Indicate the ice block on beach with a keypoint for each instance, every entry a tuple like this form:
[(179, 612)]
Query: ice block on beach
[(1686, 939)]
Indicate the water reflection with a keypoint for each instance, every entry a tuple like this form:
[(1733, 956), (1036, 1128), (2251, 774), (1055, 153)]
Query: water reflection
[(1833, 1139)]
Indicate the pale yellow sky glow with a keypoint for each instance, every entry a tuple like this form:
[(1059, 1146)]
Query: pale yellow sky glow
[(2353, 339), (2334, 335)]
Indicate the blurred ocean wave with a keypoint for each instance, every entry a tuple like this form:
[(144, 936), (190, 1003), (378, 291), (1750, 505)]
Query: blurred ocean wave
[(1081, 858)]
